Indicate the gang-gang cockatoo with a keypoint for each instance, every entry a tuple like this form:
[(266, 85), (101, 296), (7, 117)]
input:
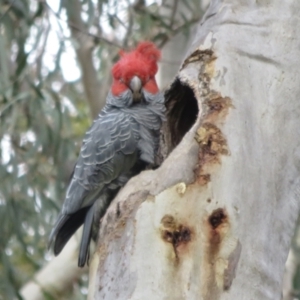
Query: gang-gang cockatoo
[(121, 142)]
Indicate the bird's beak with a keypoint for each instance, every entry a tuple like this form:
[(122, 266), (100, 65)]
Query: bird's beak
[(136, 88)]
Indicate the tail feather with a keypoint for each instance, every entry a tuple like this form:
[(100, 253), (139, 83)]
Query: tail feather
[(61, 220), (65, 227), (86, 237)]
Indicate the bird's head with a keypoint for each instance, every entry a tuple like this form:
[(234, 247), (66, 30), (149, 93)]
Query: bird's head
[(135, 71)]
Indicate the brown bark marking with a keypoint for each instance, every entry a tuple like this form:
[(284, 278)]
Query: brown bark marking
[(217, 227), (212, 143), (214, 110), (178, 235), (198, 55), (217, 218), (217, 107), (212, 146)]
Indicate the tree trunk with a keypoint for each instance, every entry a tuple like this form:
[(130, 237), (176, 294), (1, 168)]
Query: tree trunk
[(215, 220)]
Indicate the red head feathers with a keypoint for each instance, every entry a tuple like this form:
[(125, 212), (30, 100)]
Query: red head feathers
[(141, 62)]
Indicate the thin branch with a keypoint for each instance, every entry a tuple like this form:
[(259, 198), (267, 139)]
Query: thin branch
[(42, 52), (7, 10), (84, 53), (75, 26), (174, 10), (177, 30), (130, 24), (96, 37), (170, 62)]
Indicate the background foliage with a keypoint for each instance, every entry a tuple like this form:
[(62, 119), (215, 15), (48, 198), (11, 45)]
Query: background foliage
[(55, 58)]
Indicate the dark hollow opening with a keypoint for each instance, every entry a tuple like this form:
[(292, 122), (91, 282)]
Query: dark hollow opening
[(182, 111)]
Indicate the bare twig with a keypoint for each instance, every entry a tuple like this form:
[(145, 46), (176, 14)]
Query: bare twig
[(174, 10), (84, 53), (41, 54), (177, 30), (7, 10), (130, 25), (74, 26)]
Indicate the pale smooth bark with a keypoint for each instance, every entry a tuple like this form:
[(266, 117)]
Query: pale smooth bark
[(215, 220)]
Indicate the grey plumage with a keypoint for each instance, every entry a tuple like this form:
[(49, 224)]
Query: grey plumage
[(119, 144)]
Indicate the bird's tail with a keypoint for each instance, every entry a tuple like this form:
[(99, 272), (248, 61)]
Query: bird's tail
[(86, 237), (65, 227)]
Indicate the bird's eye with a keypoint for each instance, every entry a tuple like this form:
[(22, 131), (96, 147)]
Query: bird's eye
[(121, 80)]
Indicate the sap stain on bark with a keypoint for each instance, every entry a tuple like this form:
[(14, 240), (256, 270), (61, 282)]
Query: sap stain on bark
[(214, 109), (221, 255), (217, 217), (203, 179), (218, 225), (198, 55), (178, 235), (210, 138), (212, 146), (212, 143)]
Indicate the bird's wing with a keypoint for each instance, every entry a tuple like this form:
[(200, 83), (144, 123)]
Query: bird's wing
[(111, 139), (109, 148)]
